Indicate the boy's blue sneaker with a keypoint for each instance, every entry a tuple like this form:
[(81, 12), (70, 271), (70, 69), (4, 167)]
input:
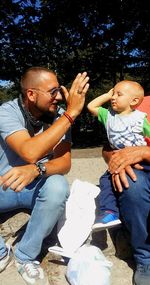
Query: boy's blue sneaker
[(106, 220)]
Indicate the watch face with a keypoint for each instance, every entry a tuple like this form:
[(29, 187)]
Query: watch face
[(42, 168)]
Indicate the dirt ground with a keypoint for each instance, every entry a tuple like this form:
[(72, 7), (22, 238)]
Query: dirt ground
[(86, 152)]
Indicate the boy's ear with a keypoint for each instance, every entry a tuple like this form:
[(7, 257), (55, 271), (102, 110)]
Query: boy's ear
[(135, 102)]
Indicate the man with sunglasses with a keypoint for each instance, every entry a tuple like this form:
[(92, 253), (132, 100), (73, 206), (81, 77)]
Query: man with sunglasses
[(35, 155)]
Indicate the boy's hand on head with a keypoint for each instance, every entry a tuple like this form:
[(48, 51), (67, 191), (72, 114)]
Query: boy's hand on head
[(110, 93)]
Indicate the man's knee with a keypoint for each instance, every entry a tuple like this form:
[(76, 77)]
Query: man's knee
[(138, 190), (55, 189)]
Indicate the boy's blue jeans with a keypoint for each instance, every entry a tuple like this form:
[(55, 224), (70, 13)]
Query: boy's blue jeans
[(46, 198), (107, 199)]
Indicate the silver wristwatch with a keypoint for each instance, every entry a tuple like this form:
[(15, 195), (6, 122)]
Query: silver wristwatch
[(41, 168)]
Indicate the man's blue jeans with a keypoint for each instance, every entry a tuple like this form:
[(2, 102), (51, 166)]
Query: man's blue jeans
[(135, 210), (46, 198)]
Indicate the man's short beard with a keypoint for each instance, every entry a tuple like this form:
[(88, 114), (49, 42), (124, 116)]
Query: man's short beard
[(47, 117)]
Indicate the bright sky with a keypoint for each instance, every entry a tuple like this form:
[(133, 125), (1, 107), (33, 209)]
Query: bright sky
[(4, 83)]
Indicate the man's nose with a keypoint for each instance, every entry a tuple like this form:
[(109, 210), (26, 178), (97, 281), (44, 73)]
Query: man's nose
[(58, 96)]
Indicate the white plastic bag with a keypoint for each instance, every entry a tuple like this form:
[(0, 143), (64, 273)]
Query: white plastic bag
[(88, 266), (75, 225)]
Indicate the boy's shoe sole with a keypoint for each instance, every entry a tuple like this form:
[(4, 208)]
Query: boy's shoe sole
[(102, 226)]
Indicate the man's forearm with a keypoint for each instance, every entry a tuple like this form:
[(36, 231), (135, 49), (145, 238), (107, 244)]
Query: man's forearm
[(32, 149), (59, 165)]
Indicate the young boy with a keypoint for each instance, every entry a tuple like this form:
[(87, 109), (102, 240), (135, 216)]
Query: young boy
[(125, 126)]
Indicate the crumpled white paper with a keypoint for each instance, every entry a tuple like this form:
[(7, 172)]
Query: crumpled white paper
[(76, 223)]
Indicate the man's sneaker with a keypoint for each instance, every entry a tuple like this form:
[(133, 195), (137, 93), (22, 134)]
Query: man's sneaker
[(7, 260), (106, 220), (32, 273), (142, 274)]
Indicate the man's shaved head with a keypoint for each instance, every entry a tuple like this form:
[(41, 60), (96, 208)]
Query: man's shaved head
[(33, 76)]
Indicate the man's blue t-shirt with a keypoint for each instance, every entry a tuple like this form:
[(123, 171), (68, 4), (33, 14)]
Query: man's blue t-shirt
[(11, 121)]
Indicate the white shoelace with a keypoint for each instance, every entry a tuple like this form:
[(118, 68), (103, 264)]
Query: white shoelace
[(32, 269)]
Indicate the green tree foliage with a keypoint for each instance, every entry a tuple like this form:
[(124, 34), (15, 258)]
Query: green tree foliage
[(18, 37), (8, 93), (109, 39)]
